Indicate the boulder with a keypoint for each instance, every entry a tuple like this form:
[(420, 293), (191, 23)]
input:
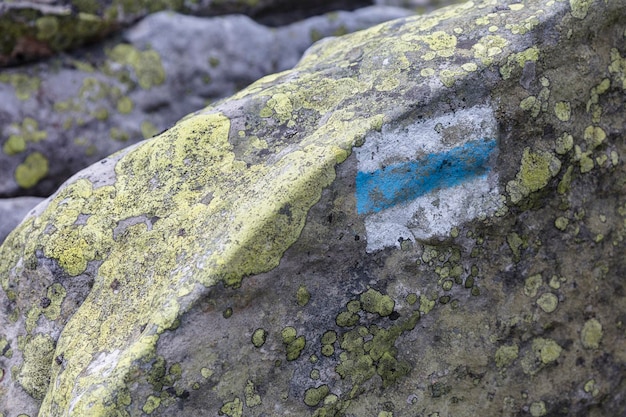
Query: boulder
[(67, 113), (40, 29), (423, 218)]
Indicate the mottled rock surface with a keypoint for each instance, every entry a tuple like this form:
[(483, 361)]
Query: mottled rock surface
[(426, 217), (59, 116)]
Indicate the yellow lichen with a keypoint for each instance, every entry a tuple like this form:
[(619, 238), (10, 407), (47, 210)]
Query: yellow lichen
[(563, 110), (591, 334), (32, 170), (580, 8), (24, 85), (488, 47), (34, 375), (442, 43), (536, 170), (146, 64)]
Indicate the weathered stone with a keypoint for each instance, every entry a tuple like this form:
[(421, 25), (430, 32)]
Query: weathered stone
[(60, 116), (404, 163)]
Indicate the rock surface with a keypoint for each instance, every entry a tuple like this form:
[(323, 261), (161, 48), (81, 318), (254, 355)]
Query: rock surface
[(423, 218), (62, 115)]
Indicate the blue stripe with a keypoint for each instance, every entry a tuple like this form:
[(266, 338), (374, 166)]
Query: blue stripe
[(399, 183)]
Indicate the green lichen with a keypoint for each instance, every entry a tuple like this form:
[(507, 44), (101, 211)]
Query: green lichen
[(233, 408), (14, 145), (591, 387), (411, 298), (206, 373), (566, 182), (294, 345), (151, 404), (361, 360), (303, 296), (146, 65), (561, 223), (538, 409), (125, 105), (594, 136), (27, 132), (524, 26), (564, 143), (563, 111), (536, 170), (506, 355), (519, 60), (532, 285), (251, 396), (441, 43), (591, 334), (101, 114), (548, 302), (47, 27), (313, 396), (327, 341), (546, 349), (329, 337), (258, 337), (32, 170), (618, 67), (315, 35), (580, 8), (279, 105), (148, 129), (157, 373), (488, 48), (5, 348), (373, 301), (119, 135), (34, 376), (23, 84), (55, 295)]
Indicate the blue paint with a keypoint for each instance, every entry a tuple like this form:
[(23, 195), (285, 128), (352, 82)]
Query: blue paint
[(399, 183)]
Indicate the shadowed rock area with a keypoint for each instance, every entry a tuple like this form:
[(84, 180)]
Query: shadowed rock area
[(426, 217)]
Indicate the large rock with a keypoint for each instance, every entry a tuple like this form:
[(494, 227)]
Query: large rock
[(423, 218), (38, 29), (60, 116)]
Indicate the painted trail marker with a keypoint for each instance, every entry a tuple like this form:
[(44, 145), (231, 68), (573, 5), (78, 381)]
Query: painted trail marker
[(419, 181)]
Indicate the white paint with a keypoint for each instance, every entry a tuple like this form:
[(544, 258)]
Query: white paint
[(434, 214)]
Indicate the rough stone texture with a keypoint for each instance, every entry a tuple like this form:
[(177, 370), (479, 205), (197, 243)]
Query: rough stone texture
[(37, 29), (227, 267), (60, 116)]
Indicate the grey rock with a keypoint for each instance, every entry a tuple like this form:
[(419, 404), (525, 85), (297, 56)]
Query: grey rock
[(62, 115), (39, 29), (408, 222), (13, 210)]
